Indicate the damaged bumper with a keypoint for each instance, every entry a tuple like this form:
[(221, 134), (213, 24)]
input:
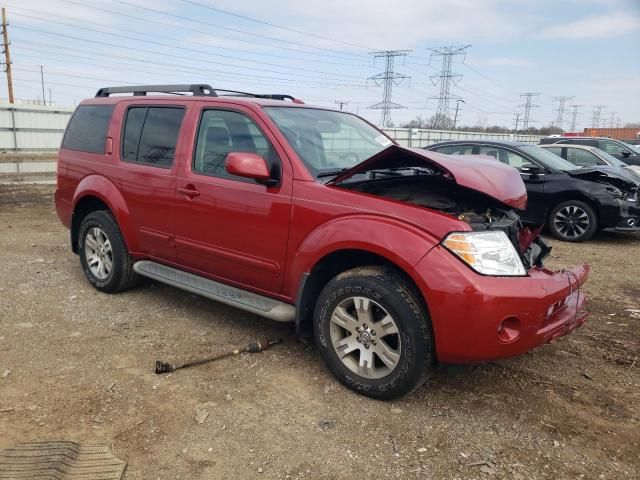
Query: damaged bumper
[(479, 318), (620, 216)]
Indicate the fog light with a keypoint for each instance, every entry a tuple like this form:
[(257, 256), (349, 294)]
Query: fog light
[(631, 222), (509, 329)]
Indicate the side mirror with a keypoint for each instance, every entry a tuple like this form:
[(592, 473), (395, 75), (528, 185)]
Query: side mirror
[(533, 170), (626, 154), (249, 165)]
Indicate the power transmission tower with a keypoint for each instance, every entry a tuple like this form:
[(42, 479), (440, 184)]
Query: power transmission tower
[(560, 110), (597, 113), (516, 120), (446, 76), (342, 103), (386, 81), (612, 119), (574, 116), (7, 57), (528, 105)]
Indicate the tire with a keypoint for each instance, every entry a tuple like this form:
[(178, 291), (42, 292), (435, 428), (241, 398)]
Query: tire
[(369, 296), (573, 221), (100, 243)]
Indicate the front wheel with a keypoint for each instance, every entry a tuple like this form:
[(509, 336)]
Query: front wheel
[(373, 333), (573, 221)]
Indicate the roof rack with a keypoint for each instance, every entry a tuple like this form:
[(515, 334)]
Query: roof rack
[(198, 90)]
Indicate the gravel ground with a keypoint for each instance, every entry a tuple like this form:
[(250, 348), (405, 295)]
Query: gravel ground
[(76, 364)]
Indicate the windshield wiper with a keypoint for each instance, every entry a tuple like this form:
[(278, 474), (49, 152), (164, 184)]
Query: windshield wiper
[(332, 173)]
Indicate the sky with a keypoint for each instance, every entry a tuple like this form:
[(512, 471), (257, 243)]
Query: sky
[(324, 53)]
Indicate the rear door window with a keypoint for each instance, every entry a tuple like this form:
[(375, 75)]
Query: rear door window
[(87, 130), (583, 158), (151, 134)]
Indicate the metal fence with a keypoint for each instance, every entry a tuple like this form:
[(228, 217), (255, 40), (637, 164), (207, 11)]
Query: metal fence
[(418, 137), (32, 128)]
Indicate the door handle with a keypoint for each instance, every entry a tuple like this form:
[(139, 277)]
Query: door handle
[(189, 191)]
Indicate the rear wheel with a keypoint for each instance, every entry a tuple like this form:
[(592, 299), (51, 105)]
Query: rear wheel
[(373, 333), (103, 254), (573, 221)]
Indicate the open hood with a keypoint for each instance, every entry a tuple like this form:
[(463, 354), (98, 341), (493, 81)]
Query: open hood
[(617, 176), (483, 175)]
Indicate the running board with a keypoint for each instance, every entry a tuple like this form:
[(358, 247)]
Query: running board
[(236, 297)]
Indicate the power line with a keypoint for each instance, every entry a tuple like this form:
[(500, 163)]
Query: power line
[(309, 34), (202, 22), (387, 79), (169, 45), (446, 76)]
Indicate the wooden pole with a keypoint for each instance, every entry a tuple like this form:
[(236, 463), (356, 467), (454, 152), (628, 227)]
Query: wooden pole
[(7, 57)]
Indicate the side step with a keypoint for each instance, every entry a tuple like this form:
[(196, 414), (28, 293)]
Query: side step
[(236, 297)]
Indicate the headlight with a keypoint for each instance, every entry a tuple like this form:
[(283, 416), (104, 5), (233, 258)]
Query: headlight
[(488, 253)]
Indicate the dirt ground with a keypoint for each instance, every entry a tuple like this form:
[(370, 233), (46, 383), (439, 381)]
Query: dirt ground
[(76, 364)]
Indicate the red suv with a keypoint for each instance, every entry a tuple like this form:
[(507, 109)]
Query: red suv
[(393, 258)]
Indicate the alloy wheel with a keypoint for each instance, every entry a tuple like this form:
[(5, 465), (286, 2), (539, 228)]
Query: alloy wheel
[(98, 253), (365, 337), (571, 221)]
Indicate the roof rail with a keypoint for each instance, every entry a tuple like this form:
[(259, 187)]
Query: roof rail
[(199, 90)]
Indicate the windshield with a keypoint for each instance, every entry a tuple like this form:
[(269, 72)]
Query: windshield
[(610, 159), (327, 141), (633, 148), (547, 159)]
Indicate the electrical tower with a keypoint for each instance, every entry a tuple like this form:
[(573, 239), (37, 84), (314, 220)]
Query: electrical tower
[(528, 105), (386, 81), (597, 113), (560, 110), (574, 116), (446, 76), (612, 119), (342, 103)]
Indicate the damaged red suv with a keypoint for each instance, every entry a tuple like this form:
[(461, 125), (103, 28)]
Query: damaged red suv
[(393, 258)]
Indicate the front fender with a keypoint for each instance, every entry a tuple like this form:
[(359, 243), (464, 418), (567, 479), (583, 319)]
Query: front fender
[(105, 190), (400, 243)]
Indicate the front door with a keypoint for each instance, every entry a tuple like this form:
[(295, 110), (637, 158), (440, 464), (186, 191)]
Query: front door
[(230, 227)]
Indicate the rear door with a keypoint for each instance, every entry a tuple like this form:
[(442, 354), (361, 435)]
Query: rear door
[(230, 227), (149, 152)]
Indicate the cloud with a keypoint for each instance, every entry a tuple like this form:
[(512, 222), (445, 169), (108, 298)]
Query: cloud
[(600, 26)]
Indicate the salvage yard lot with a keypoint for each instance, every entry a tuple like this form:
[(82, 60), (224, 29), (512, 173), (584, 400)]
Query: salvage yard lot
[(76, 364)]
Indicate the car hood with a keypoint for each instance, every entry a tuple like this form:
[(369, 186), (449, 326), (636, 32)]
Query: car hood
[(617, 176), (483, 175)]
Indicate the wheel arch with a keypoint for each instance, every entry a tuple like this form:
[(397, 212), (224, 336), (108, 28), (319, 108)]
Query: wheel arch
[(332, 264), (94, 193), (562, 197)]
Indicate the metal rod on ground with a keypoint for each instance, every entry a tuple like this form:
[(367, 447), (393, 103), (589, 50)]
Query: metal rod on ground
[(253, 347)]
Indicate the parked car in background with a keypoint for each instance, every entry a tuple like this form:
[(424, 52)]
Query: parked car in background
[(573, 202), (392, 258), (629, 154), (585, 156)]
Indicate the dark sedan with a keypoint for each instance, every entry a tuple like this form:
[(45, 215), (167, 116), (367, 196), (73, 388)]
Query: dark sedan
[(574, 202)]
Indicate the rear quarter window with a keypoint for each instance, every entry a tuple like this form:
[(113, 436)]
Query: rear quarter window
[(87, 129)]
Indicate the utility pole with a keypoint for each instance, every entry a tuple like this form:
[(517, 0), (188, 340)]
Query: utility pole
[(386, 81), (44, 98), (446, 75), (574, 116), (597, 113), (7, 56), (455, 118), (516, 121), (528, 105), (341, 103), (560, 110)]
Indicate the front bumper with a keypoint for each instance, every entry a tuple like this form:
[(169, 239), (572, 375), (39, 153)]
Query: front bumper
[(478, 318)]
